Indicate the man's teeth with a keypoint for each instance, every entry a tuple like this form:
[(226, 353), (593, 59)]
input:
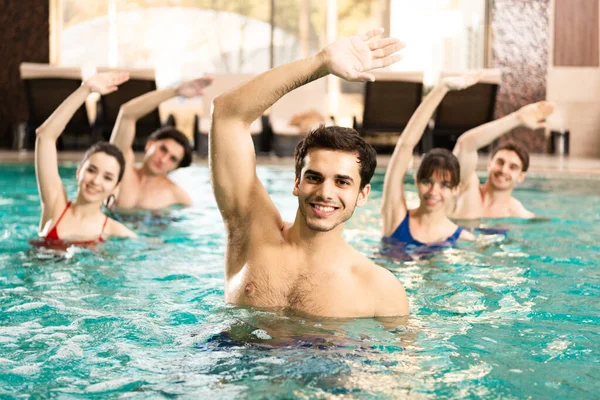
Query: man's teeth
[(323, 208)]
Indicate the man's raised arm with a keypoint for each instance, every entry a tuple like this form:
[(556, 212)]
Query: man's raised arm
[(232, 159), (123, 132), (531, 116)]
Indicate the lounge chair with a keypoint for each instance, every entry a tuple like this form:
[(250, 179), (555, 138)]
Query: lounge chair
[(221, 84), (312, 96), (462, 110), (141, 81), (389, 103), (46, 87)]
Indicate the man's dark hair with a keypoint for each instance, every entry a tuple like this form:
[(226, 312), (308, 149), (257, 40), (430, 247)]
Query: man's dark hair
[(519, 149), (439, 160), (168, 132), (340, 139), (111, 150)]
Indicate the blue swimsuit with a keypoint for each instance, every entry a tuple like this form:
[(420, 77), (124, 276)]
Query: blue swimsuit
[(402, 234)]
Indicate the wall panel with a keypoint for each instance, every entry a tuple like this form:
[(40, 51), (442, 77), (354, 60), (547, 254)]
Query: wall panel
[(520, 42), (576, 33), (24, 36)]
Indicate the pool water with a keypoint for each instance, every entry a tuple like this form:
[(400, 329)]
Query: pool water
[(510, 316)]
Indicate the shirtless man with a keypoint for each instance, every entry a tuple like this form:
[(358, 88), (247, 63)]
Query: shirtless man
[(147, 186), (506, 168), (306, 265)]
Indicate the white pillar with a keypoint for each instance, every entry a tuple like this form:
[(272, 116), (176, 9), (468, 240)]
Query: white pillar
[(113, 36), (333, 83)]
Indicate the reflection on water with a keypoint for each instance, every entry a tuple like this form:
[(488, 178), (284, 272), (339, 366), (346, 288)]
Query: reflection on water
[(512, 315)]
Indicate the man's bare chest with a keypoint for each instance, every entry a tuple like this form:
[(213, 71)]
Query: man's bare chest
[(150, 196), (496, 210), (284, 283)]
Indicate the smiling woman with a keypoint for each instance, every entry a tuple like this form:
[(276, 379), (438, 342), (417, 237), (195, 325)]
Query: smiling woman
[(80, 221)]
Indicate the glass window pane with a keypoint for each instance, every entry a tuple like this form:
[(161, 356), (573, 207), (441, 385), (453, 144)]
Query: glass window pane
[(84, 37), (447, 35), (299, 29)]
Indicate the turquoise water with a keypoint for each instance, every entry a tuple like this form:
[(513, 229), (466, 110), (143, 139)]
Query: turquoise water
[(505, 317)]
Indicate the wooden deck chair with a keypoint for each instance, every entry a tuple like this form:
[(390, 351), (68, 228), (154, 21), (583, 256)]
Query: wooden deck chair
[(312, 96), (141, 81), (389, 103), (223, 83), (462, 110)]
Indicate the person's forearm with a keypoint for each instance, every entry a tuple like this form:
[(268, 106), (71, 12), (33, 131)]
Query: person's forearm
[(416, 127), (250, 101), (485, 134), (142, 105), (58, 120), (418, 121)]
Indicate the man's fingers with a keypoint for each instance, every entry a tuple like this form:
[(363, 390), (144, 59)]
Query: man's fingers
[(546, 108), (380, 43), (385, 61), (366, 77), (370, 34), (387, 50), (206, 81)]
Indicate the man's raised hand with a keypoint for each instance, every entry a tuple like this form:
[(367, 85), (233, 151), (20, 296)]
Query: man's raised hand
[(193, 88), (534, 115), (352, 57)]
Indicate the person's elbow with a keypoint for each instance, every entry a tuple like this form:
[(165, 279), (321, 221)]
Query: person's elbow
[(127, 111), (228, 106), (40, 132), (466, 144), (462, 144), (223, 107)]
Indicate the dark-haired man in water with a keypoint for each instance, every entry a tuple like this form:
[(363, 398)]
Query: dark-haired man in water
[(507, 166), (147, 187), (306, 265)]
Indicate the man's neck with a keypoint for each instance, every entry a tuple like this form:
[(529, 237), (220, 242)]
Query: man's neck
[(492, 196), (148, 178), (305, 238)]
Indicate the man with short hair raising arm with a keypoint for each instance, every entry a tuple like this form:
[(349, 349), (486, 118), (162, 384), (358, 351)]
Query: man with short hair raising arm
[(148, 187), (305, 265), (507, 166)]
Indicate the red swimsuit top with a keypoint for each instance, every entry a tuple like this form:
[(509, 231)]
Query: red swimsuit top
[(53, 233)]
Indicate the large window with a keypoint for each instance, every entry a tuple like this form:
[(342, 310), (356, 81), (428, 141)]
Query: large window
[(182, 39), (442, 35)]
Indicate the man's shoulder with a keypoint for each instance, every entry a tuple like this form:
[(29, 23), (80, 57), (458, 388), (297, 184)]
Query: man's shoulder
[(171, 184), (385, 290), (375, 276), (166, 183), (517, 209)]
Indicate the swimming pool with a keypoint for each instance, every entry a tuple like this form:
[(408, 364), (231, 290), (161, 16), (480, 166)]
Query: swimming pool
[(506, 317)]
